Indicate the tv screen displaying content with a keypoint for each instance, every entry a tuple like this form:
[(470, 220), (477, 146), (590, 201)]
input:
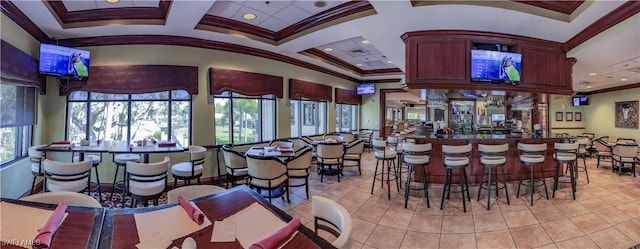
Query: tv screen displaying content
[(495, 66), (497, 117), (580, 100), (364, 89), (64, 61)]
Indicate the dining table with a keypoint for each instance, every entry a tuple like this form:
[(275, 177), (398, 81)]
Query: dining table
[(272, 151), (91, 147)]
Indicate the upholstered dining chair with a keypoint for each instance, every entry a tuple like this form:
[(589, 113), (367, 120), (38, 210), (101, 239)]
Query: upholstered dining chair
[(192, 169), (236, 165), (96, 159), (334, 218), (147, 181), (353, 153), (192, 192), (348, 137), (269, 174), (329, 154), (71, 177), (603, 151), (70, 198), (282, 143), (298, 167), (36, 157), (624, 154)]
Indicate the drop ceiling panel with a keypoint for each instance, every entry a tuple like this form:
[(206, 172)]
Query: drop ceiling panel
[(224, 9)]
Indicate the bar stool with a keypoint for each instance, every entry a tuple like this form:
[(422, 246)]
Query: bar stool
[(96, 160), (583, 150), (416, 155), (386, 156), (395, 144), (532, 155), (565, 153), (120, 160), (456, 157), (36, 157), (493, 157)]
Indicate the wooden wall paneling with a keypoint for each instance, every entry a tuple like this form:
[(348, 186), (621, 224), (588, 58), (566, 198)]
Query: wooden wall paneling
[(247, 83), (351, 97), (310, 90), (439, 60), (543, 68)]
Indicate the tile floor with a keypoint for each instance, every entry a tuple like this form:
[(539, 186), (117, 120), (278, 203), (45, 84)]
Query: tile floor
[(606, 214)]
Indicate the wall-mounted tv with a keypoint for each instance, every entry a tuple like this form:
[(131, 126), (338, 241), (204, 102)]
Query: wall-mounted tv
[(495, 66), (366, 88), (579, 100), (64, 62), (497, 117)]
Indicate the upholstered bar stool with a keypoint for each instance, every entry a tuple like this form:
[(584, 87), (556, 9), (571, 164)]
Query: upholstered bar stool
[(120, 160), (456, 157), (583, 151), (36, 157), (96, 160), (417, 155), (532, 156), (565, 153), (493, 157), (387, 157), (395, 144)]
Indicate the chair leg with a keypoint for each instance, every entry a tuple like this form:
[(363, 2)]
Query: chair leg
[(389, 178), (406, 190), (532, 187), (287, 186), (98, 182), (480, 184), (584, 160), (175, 181), (113, 186), (33, 184), (572, 175), (555, 179), (199, 181), (444, 187), (504, 181), (306, 186), (375, 173)]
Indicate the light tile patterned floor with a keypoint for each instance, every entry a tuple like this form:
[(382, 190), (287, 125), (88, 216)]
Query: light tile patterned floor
[(606, 214)]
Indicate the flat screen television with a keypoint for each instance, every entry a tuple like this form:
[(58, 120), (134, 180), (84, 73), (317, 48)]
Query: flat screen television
[(366, 88), (497, 117), (579, 100), (495, 66), (64, 62)]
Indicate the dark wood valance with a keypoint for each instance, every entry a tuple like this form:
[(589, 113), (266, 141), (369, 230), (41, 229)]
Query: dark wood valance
[(312, 91), (136, 79), (350, 97), (246, 83), (19, 68)]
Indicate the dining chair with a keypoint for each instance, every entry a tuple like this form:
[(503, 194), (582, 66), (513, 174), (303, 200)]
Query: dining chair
[(622, 155), (282, 143), (147, 181), (330, 154), (71, 177), (332, 217), (236, 165), (603, 151), (353, 153), (626, 141), (348, 137), (192, 192), (70, 198), (298, 167), (96, 160), (36, 157), (192, 169), (269, 174)]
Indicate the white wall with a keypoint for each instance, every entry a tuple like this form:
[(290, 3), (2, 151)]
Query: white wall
[(600, 114)]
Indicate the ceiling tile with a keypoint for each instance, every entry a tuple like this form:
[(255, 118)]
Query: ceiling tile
[(224, 9), (260, 17), (292, 14), (121, 4), (146, 3), (79, 5), (273, 24), (627, 64), (271, 8), (624, 73)]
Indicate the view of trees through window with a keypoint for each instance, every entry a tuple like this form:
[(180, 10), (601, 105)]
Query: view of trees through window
[(252, 119), (308, 117), (129, 117), (346, 118), (16, 103)]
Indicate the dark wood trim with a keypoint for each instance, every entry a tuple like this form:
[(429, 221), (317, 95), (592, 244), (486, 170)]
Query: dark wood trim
[(483, 36), (612, 89), (11, 11), (310, 90), (67, 17), (568, 128), (564, 7), (383, 108), (318, 54), (393, 80), (344, 96), (246, 83), (625, 11)]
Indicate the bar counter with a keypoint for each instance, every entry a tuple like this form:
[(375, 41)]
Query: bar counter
[(436, 171)]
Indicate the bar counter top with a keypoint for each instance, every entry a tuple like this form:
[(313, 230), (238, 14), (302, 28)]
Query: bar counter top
[(477, 137)]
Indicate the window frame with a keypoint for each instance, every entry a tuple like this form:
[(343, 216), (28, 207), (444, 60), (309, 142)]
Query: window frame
[(24, 127), (300, 110), (230, 96), (354, 122)]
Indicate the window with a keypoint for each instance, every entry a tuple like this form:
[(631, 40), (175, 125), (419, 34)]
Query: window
[(17, 110), (346, 117), (308, 117), (129, 117), (252, 118)]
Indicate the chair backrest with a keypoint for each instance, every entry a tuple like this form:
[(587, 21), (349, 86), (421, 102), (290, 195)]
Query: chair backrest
[(197, 154), (70, 198), (601, 146), (493, 149), (36, 158), (233, 159), (626, 141), (282, 143), (416, 149), (67, 171), (302, 158), (605, 139), (355, 147), (379, 144), (330, 150), (192, 192), (34, 153), (532, 148), (583, 143), (265, 167), (625, 150), (457, 150), (332, 136), (148, 172), (329, 211), (306, 139), (348, 137), (566, 148)]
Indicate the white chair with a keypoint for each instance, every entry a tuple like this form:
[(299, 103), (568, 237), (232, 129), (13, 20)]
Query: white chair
[(333, 218), (388, 157), (493, 157), (330, 154), (96, 160), (298, 167), (71, 177), (236, 165), (348, 137), (566, 153), (70, 198), (456, 157), (268, 173), (120, 160), (533, 156), (187, 171), (192, 192), (417, 155), (603, 151), (583, 149), (625, 154), (147, 181), (353, 153), (282, 143), (36, 157), (334, 136)]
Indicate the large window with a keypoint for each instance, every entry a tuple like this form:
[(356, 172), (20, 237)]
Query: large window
[(244, 119), (346, 117), (308, 117), (17, 110), (130, 117)]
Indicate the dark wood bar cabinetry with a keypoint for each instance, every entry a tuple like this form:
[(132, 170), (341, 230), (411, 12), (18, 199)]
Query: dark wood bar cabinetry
[(436, 170)]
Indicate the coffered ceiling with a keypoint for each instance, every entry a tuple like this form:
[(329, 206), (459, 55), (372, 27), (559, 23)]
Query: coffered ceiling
[(604, 36)]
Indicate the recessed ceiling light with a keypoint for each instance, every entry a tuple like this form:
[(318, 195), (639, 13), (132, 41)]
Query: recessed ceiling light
[(365, 42), (623, 79), (328, 49), (249, 16), (588, 87), (359, 65), (389, 62), (593, 74), (113, 1)]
